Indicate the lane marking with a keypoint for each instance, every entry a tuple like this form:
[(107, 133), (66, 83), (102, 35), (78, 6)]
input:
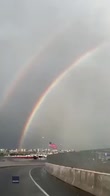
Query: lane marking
[(39, 187)]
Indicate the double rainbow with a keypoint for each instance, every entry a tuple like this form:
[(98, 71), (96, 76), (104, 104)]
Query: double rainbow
[(49, 89)]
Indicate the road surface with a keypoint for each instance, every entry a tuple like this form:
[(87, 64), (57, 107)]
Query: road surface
[(34, 181)]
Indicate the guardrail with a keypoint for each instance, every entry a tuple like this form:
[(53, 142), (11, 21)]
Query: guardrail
[(97, 183)]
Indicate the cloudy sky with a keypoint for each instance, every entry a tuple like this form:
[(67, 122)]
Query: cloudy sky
[(55, 33)]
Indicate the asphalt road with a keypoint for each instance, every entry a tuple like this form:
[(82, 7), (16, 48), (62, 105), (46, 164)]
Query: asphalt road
[(34, 181)]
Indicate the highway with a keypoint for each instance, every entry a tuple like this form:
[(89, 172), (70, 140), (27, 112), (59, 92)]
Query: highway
[(34, 181)]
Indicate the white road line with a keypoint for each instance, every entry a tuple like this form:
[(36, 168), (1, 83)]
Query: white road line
[(39, 187)]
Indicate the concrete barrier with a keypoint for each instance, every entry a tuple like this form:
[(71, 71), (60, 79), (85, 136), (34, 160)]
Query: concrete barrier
[(87, 160), (93, 182)]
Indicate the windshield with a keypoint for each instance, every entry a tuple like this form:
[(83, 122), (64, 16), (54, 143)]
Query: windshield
[(54, 97)]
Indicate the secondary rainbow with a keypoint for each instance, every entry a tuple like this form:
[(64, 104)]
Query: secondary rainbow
[(26, 67), (48, 90)]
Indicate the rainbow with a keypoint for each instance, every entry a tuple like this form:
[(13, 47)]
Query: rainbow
[(48, 90), (26, 67)]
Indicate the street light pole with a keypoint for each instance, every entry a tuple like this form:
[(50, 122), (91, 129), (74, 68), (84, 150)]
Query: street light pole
[(42, 143)]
